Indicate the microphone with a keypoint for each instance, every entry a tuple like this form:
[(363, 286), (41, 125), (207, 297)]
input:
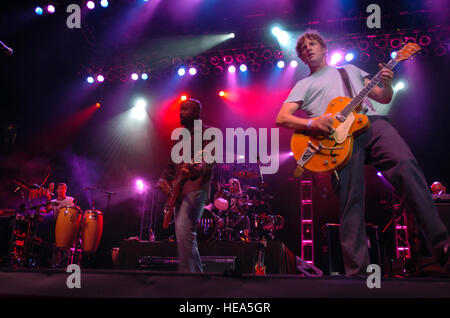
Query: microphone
[(5, 49)]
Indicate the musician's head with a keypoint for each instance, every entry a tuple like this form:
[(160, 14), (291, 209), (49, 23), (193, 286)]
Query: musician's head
[(190, 110), (311, 48), (235, 186), (61, 190)]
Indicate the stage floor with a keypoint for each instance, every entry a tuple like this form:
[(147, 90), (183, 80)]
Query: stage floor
[(152, 284)]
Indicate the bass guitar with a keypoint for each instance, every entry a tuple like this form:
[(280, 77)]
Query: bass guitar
[(324, 154)]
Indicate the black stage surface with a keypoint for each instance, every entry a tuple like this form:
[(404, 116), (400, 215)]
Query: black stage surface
[(153, 284)]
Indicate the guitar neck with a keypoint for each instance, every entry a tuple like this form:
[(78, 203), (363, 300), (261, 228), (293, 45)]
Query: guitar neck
[(357, 100)]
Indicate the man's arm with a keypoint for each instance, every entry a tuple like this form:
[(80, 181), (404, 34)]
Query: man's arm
[(382, 95), (285, 118)]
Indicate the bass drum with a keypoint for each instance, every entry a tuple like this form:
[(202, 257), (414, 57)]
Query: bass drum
[(207, 226)]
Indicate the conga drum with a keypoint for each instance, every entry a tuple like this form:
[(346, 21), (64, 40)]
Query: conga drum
[(91, 231), (67, 226)]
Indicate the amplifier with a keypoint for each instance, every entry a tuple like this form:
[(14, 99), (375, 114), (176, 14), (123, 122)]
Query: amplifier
[(210, 264), (333, 249)]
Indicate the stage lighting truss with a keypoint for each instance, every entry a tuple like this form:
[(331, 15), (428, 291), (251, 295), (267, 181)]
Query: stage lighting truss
[(364, 47)]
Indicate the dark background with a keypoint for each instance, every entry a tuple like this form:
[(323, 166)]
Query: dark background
[(44, 93)]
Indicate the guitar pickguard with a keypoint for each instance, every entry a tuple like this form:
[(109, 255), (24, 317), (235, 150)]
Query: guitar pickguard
[(341, 132)]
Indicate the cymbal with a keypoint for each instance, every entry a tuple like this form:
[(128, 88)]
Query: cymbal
[(245, 174)]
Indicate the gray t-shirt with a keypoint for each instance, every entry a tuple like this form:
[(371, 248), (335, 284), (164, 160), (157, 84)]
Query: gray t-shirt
[(319, 88)]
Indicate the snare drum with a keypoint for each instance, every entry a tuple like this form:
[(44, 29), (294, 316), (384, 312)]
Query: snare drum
[(67, 226), (91, 231)]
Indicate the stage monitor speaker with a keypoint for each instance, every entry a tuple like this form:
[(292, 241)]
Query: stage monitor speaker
[(210, 264), (334, 251)]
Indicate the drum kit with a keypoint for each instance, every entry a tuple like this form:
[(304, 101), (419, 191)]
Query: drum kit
[(75, 231), (243, 215)]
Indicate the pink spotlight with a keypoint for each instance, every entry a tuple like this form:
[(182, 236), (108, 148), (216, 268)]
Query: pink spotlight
[(50, 9), (134, 76), (90, 4), (140, 185), (379, 174), (232, 69), (335, 58), (100, 78), (192, 71), (293, 63)]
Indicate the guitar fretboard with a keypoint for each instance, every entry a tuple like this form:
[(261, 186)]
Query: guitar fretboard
[(363, 94)]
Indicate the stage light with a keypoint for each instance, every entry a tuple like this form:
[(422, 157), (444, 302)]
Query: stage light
[(100, 78), (379, 174), (192, 71), (181, 71), (399, 86), (231, 69), (281, 35), (97, 105), (90, 79), (280, 64), (221, 93), (144, 76), (90, 5), (134, 76), (50, 9), (243, 68), (140, 186), (291, 153), (232, 35), (104, 3), (335, 58), (349, 56), (393, 55), (138, 111), (183, 97), (293, 63), (39, 11)]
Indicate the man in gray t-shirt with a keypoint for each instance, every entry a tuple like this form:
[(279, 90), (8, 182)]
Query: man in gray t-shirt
[(380, 146)]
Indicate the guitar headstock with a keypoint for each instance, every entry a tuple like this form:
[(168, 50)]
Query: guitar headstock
[(407, 51)]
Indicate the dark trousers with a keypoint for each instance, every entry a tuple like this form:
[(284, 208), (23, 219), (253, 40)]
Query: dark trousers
[(382, 147)]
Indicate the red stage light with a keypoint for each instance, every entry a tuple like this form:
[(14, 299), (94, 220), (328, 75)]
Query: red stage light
[(183, 97), (97, 105), (222, 93)]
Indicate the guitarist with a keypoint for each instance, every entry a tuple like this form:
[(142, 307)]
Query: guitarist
[(380, 146), (195, 190)]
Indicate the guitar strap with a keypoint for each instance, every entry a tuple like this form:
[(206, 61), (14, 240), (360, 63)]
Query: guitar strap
[(347, 86)]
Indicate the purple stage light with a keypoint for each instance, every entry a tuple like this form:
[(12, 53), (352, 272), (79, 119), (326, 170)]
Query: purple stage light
[(280, 64), (181, 71), (90, 80), (335, 58), (134, 76), (379, 174), (293, 63), (192, 71), (100, 78), (90, 5), (231, 69), (140, 185), (51, 9)]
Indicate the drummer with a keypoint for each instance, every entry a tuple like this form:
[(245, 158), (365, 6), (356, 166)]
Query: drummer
[(238, 204), (62, 199)]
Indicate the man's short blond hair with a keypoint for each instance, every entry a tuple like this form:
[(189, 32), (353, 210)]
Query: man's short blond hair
[(310, 35)]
